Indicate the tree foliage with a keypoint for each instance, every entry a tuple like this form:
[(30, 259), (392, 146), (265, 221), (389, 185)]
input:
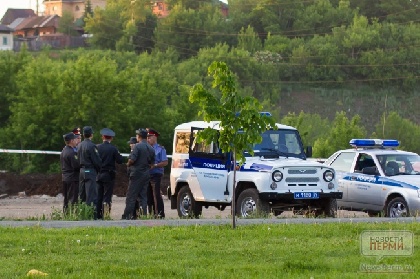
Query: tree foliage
[(66, 24), (240, 120), (341, 132)]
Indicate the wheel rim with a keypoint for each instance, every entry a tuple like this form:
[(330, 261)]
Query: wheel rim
[(248, 206), (185, 205), (397, 209)]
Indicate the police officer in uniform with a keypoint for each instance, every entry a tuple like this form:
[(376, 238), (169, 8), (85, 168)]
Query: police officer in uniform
[(154, 196), (106, 177), (76, 131), (70, 171), (90, 165), (139, 163)]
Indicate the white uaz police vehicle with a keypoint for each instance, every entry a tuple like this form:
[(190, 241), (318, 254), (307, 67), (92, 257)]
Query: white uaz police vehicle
[(276, 178), (376, 178)]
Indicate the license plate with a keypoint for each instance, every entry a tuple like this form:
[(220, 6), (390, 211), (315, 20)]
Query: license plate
[(306, 195)]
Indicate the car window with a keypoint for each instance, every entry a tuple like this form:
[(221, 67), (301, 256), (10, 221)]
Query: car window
[(397, 164), (364, 161), (343, 161)]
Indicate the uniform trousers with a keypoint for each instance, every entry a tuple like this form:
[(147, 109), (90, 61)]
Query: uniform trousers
[(154, 196), (88, 190), (70, 193), (105, 191), (137, 187)]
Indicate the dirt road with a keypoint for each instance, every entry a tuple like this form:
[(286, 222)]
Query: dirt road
[(37, 206)]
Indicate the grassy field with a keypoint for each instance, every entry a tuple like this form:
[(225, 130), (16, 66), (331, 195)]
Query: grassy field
[(257, 251)]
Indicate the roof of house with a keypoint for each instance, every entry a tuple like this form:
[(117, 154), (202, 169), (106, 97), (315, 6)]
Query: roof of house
[(4, 28), (12, 14), (38, 21)]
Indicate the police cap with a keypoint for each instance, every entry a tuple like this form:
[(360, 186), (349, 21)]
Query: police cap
[(142, 133), (69, 136), (107, 132), (76, 131), (87, 130), (132, 140), (152, 132)]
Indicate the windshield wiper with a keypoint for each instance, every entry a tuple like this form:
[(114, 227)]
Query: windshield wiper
[(277, 151)]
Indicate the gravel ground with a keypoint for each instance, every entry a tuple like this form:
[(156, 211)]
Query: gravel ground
[(30, 207)]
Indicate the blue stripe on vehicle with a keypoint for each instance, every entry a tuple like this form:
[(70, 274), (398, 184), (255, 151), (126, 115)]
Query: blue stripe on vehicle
[(256, 167), (379, 180), (214, 164)]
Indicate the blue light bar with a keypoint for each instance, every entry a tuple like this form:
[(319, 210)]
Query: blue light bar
[(384, 143)]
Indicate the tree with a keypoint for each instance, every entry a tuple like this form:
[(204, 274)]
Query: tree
[(248, 40), (66, 24), (394, 126), (236, 114), (342, 131), (190, 30)]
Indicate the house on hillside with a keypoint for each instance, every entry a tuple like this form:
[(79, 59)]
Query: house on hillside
[(35, 26), (6, 38), (160, 9), (74, 7), (12, 14)]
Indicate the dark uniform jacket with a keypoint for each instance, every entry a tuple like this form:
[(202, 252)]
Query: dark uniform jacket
[(88, 155), (143, 155), (69, 164), (109, 155)]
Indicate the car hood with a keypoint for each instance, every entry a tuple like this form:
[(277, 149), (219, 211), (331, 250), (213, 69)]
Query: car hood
[(261, 164)]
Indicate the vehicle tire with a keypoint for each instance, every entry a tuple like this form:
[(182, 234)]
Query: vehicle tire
[(249, 204), (397, 207), (187, 207), (328, 208)]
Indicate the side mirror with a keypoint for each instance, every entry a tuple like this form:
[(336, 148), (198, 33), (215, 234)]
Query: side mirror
[(308, 151), (370, 170)]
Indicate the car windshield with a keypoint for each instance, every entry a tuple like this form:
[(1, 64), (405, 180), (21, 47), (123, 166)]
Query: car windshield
[(285, 143), (400, 164)]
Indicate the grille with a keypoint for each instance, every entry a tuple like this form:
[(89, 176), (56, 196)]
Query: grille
[(301, 171), (302, 179)]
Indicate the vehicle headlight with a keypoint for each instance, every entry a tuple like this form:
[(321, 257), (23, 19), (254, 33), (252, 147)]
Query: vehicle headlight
[(277, 176), (328, 175)]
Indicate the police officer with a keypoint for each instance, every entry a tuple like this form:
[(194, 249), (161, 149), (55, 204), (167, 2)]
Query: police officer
[(76, 131), (154, 196), (90, 165), (70, 171), (106, 177), (132, 142), (139, 163)]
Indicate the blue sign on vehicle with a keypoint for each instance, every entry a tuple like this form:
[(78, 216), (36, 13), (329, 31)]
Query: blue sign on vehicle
[(306, 195)]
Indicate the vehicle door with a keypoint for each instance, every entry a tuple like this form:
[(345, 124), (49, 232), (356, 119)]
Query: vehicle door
[(210, 167), (342, 164), (364, 191)]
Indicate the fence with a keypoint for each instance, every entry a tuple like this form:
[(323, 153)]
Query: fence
[(56, 42)]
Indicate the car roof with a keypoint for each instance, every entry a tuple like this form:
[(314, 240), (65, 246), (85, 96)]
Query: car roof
[(378, 151), (215, 125)]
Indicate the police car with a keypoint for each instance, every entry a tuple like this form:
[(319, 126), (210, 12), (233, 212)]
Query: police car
[(275, 178), (378, 179)]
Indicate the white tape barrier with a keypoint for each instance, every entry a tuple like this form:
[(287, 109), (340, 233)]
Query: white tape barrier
[(46, 152)]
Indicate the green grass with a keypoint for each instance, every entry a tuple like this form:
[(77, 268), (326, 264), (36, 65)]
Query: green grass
[(257, 251)]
